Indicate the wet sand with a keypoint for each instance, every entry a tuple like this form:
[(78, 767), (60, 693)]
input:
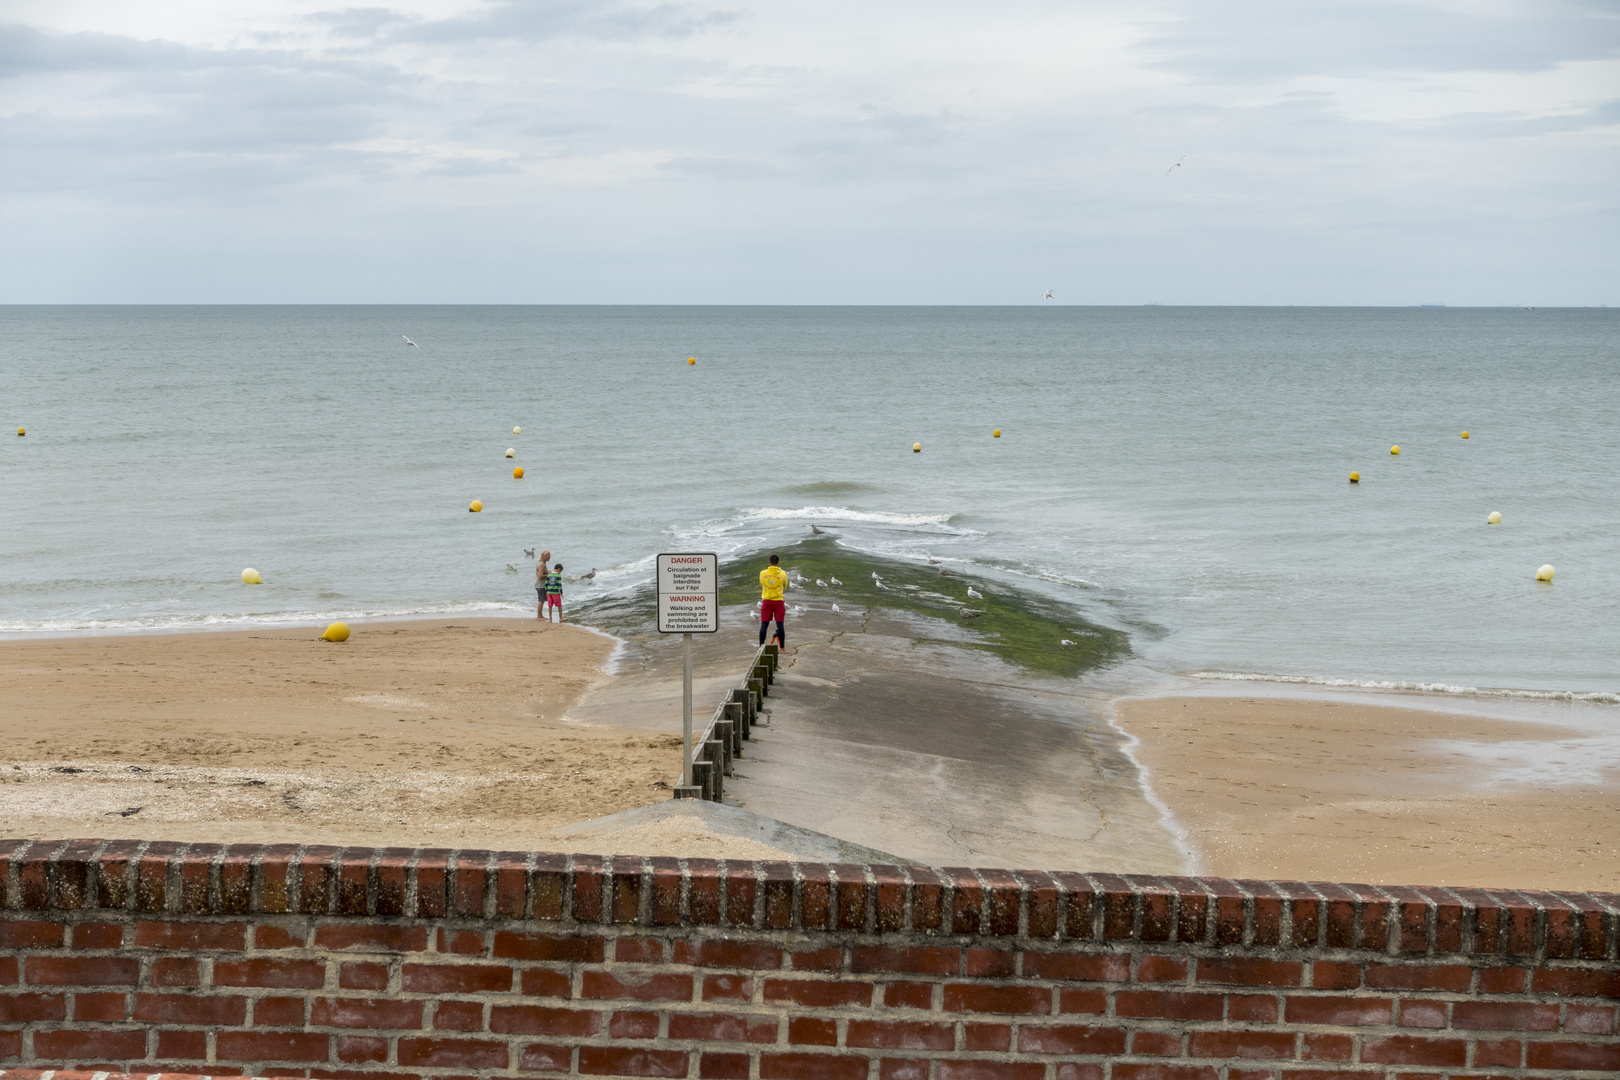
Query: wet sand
[(1377, 793)]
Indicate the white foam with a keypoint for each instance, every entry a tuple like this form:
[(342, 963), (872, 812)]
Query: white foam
[(251, 620), (1597, 697)]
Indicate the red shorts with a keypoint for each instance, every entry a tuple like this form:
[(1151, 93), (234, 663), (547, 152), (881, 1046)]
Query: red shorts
[(554, 599), (773, 609)]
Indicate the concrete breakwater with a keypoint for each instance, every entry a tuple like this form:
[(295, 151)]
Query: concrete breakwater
[(731, 725)]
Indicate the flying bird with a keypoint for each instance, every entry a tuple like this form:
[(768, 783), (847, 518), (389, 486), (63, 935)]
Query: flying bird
[(1048, 295), (411, 343), (975, 594), (1176, 166)]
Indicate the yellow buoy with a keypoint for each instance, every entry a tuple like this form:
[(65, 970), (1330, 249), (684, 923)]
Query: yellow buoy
[(1355, 478), (1545, 573), (691, 359), (511, 452), (1465, 434), (517, 473), (251, 576), (1395, 450), (22, 431), (1495, 518), (338, 631), (517, 431), (916, 448), (996, 434), (476, 506)]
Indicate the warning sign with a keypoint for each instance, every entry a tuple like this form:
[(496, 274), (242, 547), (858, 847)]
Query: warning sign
[(687, 586)]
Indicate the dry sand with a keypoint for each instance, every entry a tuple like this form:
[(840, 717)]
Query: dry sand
[(1347, 791), (445, 733)]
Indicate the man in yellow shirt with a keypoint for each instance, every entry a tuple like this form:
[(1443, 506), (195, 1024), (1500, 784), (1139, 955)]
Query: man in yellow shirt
[(772, 580)]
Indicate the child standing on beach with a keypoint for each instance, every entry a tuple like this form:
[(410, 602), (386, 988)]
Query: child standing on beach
[(540, 584), (554, 592)]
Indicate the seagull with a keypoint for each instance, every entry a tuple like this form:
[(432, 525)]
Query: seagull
[(874, 575), (879, 584), (945, 573), (932, 561), (1176, 166), (823, 584), (835, 607), (974, 594), (797, 609), (835, 581), (1066, 641), (1048, 295), (590, 576), (969, 613), (815, 530), (529, 552), (411, 343), (512, 566)]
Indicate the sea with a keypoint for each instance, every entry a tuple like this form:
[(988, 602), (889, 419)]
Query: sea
[(1179, 473)]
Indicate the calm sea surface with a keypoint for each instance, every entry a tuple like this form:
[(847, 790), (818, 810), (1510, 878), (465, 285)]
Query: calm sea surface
[(1177, 472)]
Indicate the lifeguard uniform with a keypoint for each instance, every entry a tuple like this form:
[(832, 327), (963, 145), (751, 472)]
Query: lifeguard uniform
[(772, 581)]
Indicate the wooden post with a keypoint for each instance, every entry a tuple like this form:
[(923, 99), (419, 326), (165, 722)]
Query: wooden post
[(722, 739)]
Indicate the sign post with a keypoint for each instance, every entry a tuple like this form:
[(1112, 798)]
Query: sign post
[(688, 603)]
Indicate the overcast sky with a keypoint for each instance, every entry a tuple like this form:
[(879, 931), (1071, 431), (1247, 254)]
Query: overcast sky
[(735, 151)]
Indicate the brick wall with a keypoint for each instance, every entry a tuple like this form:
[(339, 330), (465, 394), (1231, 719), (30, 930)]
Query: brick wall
[(377, 964)]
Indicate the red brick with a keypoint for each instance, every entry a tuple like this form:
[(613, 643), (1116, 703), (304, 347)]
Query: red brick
[(455, 978), (1504, 1016), (176, 971), (1078, 967), (1156, 1044), (1422, 1014), (220, 1011), (903, 1069), (906, 960), (539, 982), (1019, 1000), (363, 976), (1070, 1039), (103, 1008), (279, 974), (727, 988), (278, 1012), (1249, 971), (1326, 975), (1592, 1056), (1321, 1047), (277, 937), (1452, 977), (989, 963), (900, 1035), (603, 985), (459, 1016), (721, 952), (377, 937), (1503, 1052), (539, 1020), (1507, 980), (544, 1057), (811, 1067), (8, 970), (360, 1049), (1339, 1011), (908, 995), (1077, 1070), (436, 1053), (1589, 1019), (81, 970), (724, 1066), (818, 994), (639, 950), (96, 935), (1254, 1008), (723, 1027), (703, 892), (365, 1013), (632, 1061), (1574, 982), (1156, 969), (10, 1043), (1241, 1044), (192, 936), (556, 948), (184, 1045), (23, 1008), (666, 891), (993, 1070), (633, 1025), (813, 1031), (1156, 1071), (1167, 1005), (270, 1046), (1414, 1050), (1074, 1000), (987, 1036), (818, 959)]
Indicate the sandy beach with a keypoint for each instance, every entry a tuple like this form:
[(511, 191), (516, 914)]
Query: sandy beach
[(1372, 792)]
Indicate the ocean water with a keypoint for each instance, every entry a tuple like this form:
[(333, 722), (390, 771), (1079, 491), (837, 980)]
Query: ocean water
[(1180, 473)]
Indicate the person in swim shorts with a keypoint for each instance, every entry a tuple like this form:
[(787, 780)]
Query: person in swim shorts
[(772, 581), (554, 592), (540, 584)]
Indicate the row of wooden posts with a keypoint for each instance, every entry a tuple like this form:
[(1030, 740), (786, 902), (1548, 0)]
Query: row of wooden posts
[(730, 726)]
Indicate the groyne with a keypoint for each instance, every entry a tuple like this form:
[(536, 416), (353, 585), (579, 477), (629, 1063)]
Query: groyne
[(729, 727)]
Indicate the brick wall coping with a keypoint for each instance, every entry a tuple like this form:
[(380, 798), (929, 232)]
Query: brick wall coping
[(100, 1074), (277, 879)]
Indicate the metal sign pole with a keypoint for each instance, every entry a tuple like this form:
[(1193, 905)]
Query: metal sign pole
[(686, 710)]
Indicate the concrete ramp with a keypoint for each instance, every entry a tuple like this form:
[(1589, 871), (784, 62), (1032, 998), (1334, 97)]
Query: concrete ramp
[(693, 828)]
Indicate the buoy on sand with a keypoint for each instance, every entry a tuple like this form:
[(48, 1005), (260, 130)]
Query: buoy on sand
[(1355, 478), (916, 448), (1395, 450), (338, 631), (1495, 518), (1465, 434), (475, 507), (517, 473), (996, 434), (510, 452), (251, 576), (517, 431), (1545, 573), (691, 359)]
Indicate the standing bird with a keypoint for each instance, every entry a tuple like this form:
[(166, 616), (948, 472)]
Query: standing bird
[(835, 607), (975, 594), (411, 343), (815, 531), (1048, 295), (835, 581), (1066, 641), (590, 576), (823, 584), (879, 584), (1176, 166)]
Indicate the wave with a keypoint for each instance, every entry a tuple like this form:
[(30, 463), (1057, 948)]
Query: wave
[(841, 513), (1595, 697), (181, 622), (831, 487)]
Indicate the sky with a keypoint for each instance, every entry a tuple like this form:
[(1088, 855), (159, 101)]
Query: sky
[(720, 152)]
